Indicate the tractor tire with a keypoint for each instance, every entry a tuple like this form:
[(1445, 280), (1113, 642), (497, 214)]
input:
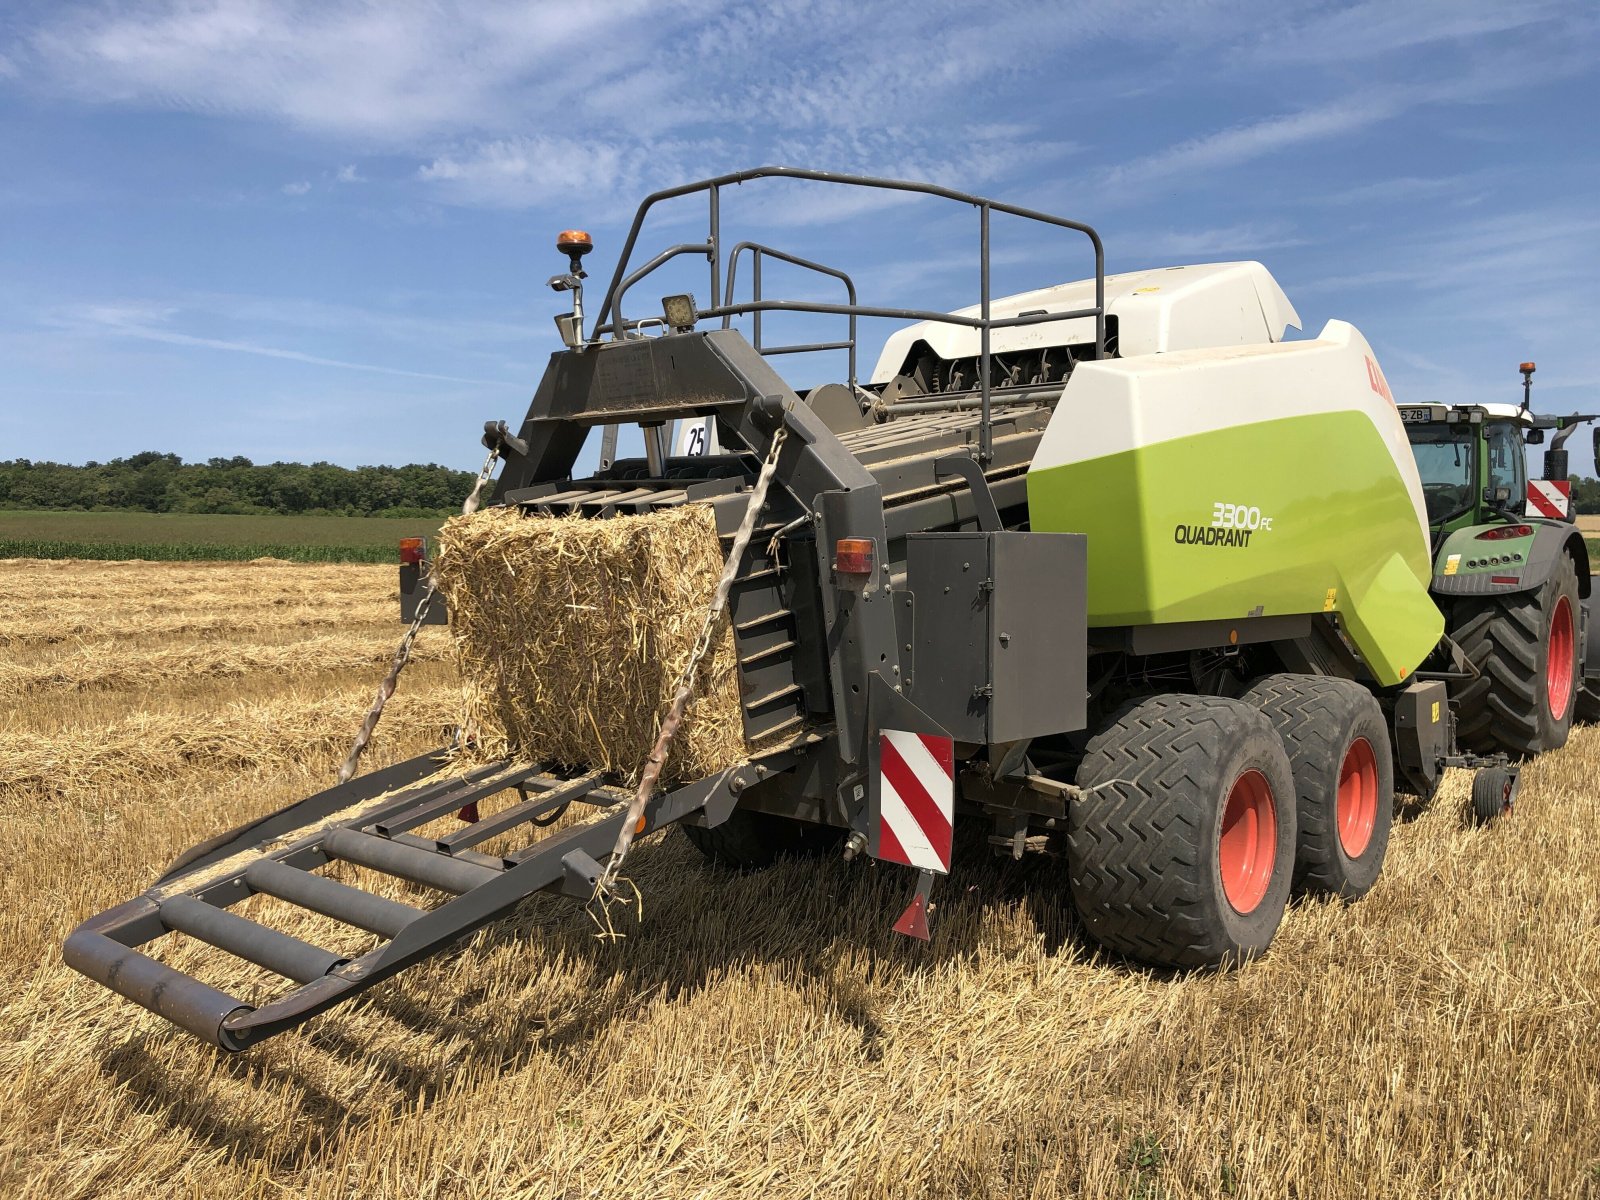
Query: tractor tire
[(754, 841), (1525, 645), (1181, 851), (1586, 706), (1339, 750)]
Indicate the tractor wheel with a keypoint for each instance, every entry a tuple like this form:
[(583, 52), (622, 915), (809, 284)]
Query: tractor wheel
[(1586, 706), (753, 841), (1338, 745), (1526, 647), (1180, 853)]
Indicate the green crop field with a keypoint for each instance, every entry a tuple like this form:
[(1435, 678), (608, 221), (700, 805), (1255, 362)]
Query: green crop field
[(193, 536)]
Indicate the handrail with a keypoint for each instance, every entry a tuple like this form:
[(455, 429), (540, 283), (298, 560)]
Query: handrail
[(757, 250), (611, 320)]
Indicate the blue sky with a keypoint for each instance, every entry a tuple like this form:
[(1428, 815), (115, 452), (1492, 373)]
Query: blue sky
[(321, 231)]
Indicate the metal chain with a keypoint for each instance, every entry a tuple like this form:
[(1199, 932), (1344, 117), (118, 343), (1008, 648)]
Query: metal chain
[(402, 654), (685, 684)]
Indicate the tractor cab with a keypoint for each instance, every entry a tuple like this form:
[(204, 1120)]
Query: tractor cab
[(1471, 462), (1473, 468)]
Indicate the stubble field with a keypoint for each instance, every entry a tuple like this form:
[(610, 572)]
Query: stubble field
[(755, 1035)]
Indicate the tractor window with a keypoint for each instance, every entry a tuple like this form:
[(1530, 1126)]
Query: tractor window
[(1445, 463), (1507, 465)]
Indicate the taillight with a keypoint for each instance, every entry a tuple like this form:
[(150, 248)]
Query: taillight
[(1501, 533), (412, 549), (853, 556)]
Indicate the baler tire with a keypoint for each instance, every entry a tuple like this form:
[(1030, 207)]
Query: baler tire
[(754, 841), (1145, 842), (1508, 638), (1339, 750)]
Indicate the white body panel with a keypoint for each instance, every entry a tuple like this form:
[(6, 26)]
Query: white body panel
[(1157, 311), (1159, 398)]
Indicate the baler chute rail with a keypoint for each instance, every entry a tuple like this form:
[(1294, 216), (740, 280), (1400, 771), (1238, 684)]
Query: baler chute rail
[(280, 857)]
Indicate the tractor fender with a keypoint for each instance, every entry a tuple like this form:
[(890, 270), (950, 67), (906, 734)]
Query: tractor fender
[(1540, 556)]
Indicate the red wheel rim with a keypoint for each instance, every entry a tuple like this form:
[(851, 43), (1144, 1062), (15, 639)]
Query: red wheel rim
[(1558, 660), (1357, 804), (1247, 846)]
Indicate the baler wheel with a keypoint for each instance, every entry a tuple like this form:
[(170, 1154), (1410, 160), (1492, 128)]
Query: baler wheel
[(1181, 852), (1338, 746), (754, 841), (1494, 793), (1525, 646)]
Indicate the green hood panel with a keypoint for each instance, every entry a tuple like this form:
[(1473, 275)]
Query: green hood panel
[(1300, 515)]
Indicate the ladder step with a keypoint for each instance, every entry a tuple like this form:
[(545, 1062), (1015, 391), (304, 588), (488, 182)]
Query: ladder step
[(419, 866), (330, 897), (766, 652), (186, 1002), (764, 619), (792, 689), (278, 952)]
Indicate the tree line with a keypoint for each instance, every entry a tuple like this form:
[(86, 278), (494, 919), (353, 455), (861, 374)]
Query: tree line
[(164, 483), (1585, 495)]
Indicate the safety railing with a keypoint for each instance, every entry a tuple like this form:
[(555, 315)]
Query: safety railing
[(612, 321)]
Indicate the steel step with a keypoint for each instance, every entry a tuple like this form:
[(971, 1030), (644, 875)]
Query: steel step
[(770, 618), (253, 942), (765, 653), (429, 868), (783, 693), (186, 1002), (330, 897)]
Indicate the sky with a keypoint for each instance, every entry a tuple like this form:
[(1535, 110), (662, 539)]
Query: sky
[(321, 231)]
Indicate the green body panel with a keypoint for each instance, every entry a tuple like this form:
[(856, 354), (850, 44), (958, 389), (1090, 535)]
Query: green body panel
[(1335, 530), (1463, 546)]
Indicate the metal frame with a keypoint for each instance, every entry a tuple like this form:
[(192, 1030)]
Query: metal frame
[(194, 900), (757, 251), (613, 322)]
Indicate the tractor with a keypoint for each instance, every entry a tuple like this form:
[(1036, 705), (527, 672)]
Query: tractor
[(1511, 572)]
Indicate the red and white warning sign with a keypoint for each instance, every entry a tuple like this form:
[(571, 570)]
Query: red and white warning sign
[(916, 799), (1548, 498)]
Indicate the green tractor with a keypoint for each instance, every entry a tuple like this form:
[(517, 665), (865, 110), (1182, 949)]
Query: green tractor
[(1510, 571)]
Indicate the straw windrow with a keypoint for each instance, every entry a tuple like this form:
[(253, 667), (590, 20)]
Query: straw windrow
[(571, 632)]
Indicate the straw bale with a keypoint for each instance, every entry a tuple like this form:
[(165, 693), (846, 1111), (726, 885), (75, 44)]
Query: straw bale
[(571, 633)]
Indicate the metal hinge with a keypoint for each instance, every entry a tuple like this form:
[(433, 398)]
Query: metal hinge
[(983, 689)]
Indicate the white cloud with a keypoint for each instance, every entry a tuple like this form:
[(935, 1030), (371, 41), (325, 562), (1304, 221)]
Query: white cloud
[(150, 321), (1228, 240), (349, 174), (1256, 139), (1380, 27), (298, 188)]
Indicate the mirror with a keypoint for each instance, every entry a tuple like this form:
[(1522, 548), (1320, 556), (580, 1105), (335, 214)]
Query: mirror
[(1535, 437)]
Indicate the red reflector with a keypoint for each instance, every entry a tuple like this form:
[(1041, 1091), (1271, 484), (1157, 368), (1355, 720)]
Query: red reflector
[(1505, 579), (411, 549), (1501, 533), (853, 556)]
